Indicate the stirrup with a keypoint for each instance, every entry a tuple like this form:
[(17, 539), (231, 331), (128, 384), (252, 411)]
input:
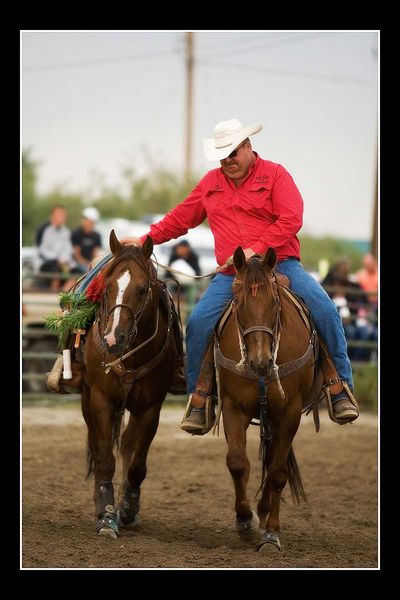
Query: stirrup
[(209, 416), (54, 377), (56, 383), (329, 404)]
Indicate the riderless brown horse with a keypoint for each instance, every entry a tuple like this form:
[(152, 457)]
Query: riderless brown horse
[(265, 329), (129, 357)]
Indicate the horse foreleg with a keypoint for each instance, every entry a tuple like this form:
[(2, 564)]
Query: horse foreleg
[(235, 426), (145, 426), (98, 416), (278, 474)]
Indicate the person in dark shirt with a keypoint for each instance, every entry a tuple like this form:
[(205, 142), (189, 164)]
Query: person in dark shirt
[(85, 240), (183, 251), (184, 259)]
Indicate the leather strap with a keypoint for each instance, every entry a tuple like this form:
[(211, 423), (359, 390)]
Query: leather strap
[(130, 376), (302, 308), (284, 369)]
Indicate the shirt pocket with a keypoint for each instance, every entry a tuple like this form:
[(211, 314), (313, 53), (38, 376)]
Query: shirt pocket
[(258, 200), (213, 201)]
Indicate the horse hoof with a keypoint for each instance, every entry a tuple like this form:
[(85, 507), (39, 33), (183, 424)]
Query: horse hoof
[(127, 524), (107, 526), (247, 528), (107, 532), (270, 538)]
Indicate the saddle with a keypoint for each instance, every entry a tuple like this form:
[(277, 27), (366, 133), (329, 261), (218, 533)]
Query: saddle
[(326, 379)]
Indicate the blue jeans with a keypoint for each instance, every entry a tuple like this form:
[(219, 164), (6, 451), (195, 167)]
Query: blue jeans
[(208, 310)]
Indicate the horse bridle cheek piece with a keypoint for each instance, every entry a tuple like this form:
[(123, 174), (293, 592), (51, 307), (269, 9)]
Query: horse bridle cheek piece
[(132, 333), (275, 332)]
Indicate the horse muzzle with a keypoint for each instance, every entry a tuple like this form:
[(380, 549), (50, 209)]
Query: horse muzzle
[(261, 368), (115, 345)]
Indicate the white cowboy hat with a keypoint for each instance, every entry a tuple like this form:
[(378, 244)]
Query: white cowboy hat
[(227, 136)]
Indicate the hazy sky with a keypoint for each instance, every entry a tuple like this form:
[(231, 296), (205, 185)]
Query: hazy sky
[(96, 102)]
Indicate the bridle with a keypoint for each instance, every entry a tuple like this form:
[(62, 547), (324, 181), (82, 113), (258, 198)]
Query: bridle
[(275, 332), (133, 331)]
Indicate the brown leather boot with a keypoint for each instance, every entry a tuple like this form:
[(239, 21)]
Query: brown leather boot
[(343, 409), (199, 416), (196, 421)]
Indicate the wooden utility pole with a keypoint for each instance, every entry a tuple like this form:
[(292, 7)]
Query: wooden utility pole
[(189, 105)]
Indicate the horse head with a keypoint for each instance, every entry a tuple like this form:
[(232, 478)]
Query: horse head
[(129, 280), (257, 309)]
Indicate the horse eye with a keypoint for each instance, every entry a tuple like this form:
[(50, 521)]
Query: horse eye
[(142, 290)]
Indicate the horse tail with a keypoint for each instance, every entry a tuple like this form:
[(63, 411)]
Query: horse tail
[(294, 477), (89, 460)]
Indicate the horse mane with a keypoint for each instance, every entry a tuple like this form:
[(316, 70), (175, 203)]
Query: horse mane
[(255, 274), (130, 252)]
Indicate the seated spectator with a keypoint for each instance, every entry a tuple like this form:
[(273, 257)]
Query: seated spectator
[(55, 248), (85, 240), (183, 251), (367, 278), (184, 259), (352, 306)]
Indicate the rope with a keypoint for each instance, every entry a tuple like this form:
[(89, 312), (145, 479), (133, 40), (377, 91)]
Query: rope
[(86, 278), (181, 272)]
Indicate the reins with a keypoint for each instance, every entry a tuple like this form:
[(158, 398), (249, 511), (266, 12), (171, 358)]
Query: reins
[(110, 365), (182, 273), (134, 329)]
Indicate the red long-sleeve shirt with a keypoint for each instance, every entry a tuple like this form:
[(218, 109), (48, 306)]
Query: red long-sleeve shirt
[(265, 210)]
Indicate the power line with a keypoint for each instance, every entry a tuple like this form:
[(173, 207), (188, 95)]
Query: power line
[(220, 49), (289, 73), (228, 43), (96, 61), (271, 44)]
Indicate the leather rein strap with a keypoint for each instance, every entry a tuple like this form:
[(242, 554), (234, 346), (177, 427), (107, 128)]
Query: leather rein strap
[(131, 375)]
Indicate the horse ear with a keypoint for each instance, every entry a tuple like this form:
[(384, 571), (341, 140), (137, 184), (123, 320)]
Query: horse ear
[(147, 247), (239, 258), (270, 259), (115, 244)]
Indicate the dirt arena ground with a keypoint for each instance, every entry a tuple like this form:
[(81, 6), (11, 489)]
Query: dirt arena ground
[(187, 500)]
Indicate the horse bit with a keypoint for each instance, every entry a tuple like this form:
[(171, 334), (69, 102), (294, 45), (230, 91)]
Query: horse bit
[(275, 332), (133, 331)]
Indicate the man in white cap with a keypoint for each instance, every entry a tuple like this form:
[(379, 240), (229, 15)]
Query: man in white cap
[(253, 203), (85, 240)]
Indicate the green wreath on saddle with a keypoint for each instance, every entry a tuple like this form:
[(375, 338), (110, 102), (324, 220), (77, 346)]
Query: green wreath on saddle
[(78, 311)]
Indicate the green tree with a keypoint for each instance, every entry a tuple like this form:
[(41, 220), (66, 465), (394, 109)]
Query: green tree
[(158, 192), (29, 195), (313, 249)]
